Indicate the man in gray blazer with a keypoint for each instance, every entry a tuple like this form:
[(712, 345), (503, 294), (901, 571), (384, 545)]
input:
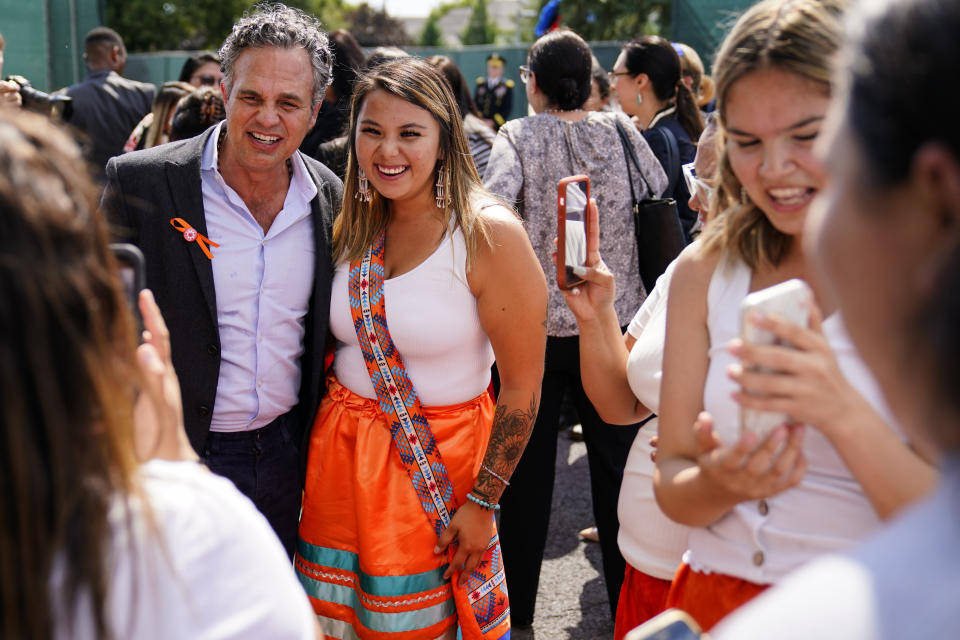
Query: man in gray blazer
[(235, 227)]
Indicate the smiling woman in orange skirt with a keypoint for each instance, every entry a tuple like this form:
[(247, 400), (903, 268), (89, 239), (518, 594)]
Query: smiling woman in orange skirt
[(408, 455)]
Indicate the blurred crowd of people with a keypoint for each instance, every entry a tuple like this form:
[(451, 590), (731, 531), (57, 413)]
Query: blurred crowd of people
[(265, 446)]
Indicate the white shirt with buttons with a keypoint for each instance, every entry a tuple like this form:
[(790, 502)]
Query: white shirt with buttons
[(263, 284), (762, 540)]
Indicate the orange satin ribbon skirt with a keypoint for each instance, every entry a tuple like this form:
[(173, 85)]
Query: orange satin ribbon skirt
[(365, 553)]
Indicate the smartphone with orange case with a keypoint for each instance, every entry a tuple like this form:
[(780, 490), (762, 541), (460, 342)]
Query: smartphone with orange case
[(573, 220)]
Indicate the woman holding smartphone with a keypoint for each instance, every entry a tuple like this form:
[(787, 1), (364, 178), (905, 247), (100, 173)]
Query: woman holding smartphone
[(529, 157), (760, 507), (888, 221)]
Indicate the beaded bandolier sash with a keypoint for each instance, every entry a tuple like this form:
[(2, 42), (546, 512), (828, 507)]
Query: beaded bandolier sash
[(482, 605)]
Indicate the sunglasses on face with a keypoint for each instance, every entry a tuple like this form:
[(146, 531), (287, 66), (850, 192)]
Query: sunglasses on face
[(524, 73), (696, 185)]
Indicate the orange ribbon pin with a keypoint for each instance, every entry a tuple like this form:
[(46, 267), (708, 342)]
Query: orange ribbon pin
[(192, 235)]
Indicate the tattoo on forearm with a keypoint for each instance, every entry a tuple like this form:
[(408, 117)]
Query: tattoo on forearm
[(508, 438)]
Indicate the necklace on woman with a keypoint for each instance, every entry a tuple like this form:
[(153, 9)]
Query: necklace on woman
[(562, 111)]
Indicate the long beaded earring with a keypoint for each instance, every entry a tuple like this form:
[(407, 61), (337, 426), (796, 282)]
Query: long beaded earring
[(363, 186), (443, 186)]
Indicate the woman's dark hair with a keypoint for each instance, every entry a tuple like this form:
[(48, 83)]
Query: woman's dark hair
[(384, 54), (893, 110), (561, 62), (67, 374), (196, 61), (348, 60), (461, 91), (196, 113), (656, 57), (599, 75), (892, 121)]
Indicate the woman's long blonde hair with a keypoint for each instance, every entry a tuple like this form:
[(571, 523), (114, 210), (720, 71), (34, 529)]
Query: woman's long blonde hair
[(419, 83), (799, 36)]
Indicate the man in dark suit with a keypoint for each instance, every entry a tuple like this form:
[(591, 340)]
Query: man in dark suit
[(494, 93), (107, 106), (235, 227)]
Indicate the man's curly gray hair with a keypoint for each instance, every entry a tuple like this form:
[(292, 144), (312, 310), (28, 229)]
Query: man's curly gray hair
[(278, 25)]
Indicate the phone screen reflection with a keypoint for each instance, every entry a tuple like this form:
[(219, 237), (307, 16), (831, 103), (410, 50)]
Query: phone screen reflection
[(575, 231)]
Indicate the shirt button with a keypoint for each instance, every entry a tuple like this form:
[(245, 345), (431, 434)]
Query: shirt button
[(203, 411), (763, 507), (259, 383), (212, 349), (758, 558)]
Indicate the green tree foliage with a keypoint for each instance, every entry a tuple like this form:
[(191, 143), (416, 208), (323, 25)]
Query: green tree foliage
[(606, 20), (375, 27), (431, 36), (480, 29), (154, 25)]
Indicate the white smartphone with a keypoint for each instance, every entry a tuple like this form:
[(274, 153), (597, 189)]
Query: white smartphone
[(792, 301)]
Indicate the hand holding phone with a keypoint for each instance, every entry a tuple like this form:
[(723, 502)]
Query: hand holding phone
[(573, 218), (792, 301)]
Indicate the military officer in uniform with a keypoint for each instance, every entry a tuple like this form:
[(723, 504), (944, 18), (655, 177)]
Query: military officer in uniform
[(494, 94)]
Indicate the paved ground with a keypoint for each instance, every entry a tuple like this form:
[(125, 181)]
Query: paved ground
[(572, 601)]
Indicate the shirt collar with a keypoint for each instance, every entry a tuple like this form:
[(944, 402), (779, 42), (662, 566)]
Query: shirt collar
[(661, 115)]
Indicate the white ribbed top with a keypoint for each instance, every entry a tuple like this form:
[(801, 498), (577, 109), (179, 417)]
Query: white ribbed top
[(649, 540), (433, 319), (762, 541)]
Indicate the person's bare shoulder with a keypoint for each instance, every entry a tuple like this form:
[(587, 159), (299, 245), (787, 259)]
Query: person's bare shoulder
[(695, 267)]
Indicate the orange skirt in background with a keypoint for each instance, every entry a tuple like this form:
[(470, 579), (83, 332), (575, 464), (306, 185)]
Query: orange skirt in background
[(709, 597), (365, 553), (641, 597)]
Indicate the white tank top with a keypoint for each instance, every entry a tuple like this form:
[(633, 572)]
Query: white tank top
[(762, 540), (433, 320)]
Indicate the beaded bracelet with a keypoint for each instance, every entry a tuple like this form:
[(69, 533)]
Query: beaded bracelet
[(496, 475), (489, 506)]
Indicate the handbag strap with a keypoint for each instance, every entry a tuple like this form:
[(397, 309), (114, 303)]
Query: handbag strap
[(398, 399), (630, 155)]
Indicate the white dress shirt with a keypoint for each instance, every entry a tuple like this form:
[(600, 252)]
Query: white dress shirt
[(263, 284)]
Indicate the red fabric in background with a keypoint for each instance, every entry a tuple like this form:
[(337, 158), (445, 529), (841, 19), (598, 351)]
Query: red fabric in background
[(708, 597), (641, 597)]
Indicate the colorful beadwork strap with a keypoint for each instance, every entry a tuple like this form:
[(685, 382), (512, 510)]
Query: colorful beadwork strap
[(398, 399)]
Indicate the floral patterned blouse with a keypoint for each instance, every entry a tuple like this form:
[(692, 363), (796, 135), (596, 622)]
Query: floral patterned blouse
[(530, 155)]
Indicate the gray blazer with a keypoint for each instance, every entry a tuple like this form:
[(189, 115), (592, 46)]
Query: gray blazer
[(144, 190)]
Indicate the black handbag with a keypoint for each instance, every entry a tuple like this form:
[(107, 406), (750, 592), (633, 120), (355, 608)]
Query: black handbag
[(655, 221)]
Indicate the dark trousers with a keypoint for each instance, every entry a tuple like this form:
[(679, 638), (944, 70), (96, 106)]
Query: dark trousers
[(525, 505), (264, 464)]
